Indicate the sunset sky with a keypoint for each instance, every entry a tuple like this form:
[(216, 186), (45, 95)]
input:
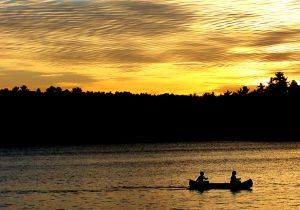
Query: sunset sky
[(154, 46)]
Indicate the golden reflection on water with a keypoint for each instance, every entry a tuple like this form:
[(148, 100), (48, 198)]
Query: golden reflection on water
[(149, 176), (181, 46)]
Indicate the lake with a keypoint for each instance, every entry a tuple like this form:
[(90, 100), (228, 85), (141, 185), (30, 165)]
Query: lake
[(149, 176)]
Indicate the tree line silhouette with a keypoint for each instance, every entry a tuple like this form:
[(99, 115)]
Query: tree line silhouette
[(277, 86), (57, 116)]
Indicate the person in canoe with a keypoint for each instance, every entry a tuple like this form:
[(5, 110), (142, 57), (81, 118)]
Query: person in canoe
[(201, 178), (234, 179)]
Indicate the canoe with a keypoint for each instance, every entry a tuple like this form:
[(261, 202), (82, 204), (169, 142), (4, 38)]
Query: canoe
[(206, 185)]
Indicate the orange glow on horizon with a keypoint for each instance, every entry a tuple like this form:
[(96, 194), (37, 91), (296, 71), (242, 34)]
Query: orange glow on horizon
[(176, 46)]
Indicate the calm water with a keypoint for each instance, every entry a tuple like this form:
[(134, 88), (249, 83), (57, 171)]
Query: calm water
[(149, 176)]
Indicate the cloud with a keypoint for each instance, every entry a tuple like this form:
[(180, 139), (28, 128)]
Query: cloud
[(293, 71), (198, 54), (134, 31), (9, 78), (94, 18), (91, 31), (118, 37), (281, 36), (277, 57)]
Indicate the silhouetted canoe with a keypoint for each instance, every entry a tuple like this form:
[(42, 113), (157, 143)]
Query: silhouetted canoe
[(206, 185)]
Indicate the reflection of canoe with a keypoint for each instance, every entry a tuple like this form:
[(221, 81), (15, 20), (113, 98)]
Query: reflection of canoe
[(206, 185)]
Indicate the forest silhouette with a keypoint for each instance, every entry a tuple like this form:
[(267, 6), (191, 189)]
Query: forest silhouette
[(56, 116)]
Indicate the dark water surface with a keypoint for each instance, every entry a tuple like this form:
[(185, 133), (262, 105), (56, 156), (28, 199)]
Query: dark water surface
[(149, 176)]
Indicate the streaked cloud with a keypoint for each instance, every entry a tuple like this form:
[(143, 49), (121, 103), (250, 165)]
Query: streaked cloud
[(280, 36), (42, 79)]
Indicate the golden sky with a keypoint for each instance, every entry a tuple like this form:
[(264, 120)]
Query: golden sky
[(154, 46)]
